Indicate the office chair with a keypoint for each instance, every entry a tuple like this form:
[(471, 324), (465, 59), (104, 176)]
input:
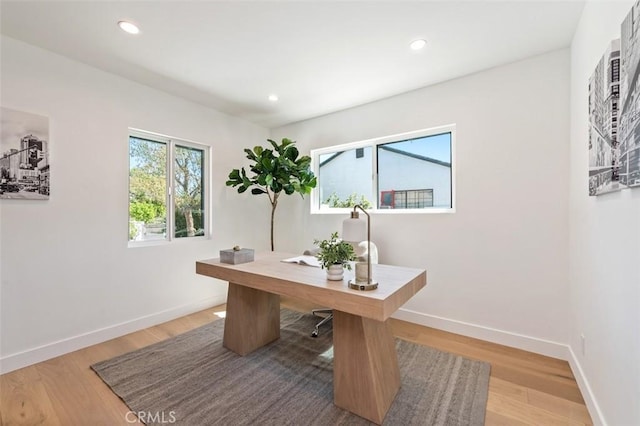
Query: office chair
[(361, 253), (326, 319)]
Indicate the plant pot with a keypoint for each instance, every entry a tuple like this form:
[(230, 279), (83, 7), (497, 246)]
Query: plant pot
[(335, 272)]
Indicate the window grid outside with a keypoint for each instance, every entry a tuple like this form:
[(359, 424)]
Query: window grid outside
[(414, 199)]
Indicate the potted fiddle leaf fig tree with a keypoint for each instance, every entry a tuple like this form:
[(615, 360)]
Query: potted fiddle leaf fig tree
[(273, 171), (334, 255)]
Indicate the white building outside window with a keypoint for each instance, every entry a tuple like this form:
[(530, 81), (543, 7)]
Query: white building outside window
[(411, 172)]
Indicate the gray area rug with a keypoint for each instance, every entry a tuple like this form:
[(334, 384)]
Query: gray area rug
[(192, 380)]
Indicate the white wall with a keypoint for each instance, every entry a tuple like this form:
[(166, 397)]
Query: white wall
[(498, 267), (605, 250), (68, 278)]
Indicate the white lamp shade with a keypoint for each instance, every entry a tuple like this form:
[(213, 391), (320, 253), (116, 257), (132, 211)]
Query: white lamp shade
[(354, 230)]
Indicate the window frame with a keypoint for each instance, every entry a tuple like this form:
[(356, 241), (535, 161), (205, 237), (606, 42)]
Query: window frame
[(374, 143), (171, 143)]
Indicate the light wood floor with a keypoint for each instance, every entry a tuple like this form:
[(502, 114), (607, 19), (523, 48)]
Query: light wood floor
[(524, 389)]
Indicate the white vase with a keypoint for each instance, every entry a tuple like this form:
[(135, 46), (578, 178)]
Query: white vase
[(335, 272)]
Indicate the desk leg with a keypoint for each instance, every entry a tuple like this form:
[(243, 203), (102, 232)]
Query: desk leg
[(366, 376), (252, 319)]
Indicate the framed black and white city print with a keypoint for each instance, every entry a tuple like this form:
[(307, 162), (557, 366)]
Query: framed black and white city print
[(604, 98), (629, 105), (24, 155)]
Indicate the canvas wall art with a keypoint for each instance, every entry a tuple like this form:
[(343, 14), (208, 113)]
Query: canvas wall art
[(604, 99), (24, 155), (629, 105), (614, 112)]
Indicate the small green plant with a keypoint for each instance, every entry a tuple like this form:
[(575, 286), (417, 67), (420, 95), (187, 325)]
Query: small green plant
[(335, 202), (334, 251)]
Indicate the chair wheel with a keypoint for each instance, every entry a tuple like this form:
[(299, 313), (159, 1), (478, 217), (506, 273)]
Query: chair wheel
[(314, 334)]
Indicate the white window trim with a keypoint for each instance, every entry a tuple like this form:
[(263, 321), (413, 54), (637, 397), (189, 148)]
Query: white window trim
[(373, 143), (171, 144)]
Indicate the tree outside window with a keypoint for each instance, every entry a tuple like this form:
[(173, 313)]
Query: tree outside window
[(166, 198)]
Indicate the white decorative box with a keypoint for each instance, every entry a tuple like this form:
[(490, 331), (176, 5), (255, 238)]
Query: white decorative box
[(235, 257)]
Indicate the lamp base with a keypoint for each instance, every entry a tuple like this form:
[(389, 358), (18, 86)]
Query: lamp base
[(364, 286)]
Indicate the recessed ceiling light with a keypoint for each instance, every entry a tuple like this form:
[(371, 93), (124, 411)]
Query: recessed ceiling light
[(418, 44), (273, 98), (128, 27)]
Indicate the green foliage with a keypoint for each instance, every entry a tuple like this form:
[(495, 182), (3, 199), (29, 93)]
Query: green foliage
[(145, 211), (148, 186), (273, 171), (334, 201), (147, 180), (188, 173), (148, 156), (335, 251), (188, 167)]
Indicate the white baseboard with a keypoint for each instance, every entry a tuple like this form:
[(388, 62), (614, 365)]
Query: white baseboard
[(514, 340), (553, 349), (51, 350), (585, 389), (527, 343)]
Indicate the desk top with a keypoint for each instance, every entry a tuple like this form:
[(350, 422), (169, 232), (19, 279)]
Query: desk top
[(396, 284)]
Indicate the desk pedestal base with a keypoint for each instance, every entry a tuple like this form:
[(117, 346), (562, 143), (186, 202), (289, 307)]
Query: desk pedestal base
[(252, 320), (366, 376)]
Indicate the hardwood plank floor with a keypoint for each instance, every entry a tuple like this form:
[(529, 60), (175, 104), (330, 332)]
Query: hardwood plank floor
[(524, 388)]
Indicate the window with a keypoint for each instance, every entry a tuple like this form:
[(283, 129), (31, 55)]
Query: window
[(167, 188), (411, 172), (344, 176), (415, 199), (615, 70)]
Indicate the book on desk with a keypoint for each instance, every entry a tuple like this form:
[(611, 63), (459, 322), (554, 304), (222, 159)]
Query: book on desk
[(304, 260)]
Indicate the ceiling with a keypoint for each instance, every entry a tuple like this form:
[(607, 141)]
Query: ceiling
[(317, 56)]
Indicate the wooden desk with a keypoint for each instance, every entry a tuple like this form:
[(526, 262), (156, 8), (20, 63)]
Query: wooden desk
[(366, 377)]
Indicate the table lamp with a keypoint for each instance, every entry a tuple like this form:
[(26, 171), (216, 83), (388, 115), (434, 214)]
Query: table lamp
[(355, 229)]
